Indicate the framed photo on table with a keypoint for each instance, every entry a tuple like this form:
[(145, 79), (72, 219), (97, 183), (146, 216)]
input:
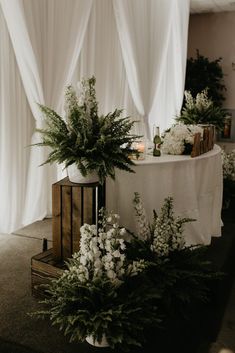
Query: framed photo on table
[(228, 132)]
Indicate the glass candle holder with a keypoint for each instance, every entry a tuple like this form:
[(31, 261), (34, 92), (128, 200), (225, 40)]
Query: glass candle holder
[(140, 146)]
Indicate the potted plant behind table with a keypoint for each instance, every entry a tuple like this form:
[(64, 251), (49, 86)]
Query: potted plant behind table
[(89, 145), (201, 73), (103, 297)]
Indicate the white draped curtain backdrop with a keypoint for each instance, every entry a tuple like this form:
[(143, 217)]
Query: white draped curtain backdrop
[(135, 48)]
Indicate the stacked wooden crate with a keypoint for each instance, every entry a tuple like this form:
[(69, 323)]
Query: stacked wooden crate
[(72, 206)]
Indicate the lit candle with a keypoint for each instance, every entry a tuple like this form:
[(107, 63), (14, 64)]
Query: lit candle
[(140, 147)]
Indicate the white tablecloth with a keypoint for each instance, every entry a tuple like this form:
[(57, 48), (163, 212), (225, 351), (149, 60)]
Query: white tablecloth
[(196, 185)]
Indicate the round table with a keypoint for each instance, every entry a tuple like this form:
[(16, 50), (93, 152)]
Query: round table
[(196, 185)]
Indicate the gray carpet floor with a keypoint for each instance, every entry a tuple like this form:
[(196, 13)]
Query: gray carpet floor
[(16, 302), (32, 336)]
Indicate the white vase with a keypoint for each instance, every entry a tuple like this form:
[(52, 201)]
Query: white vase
[(104, 343), (75, 176)]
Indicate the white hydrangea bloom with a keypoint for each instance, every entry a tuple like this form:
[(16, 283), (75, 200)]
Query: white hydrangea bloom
[(172, 145), (174, 140)]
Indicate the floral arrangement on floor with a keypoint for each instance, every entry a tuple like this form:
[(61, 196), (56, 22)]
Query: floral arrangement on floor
[(121, 285), (179, 139), (228, 162), (103, 292), (201, 110), (92, 142), (163, 242)]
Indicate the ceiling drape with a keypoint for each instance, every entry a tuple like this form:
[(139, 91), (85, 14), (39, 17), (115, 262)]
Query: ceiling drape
[(101, 55), (146, 33), (135, 48)]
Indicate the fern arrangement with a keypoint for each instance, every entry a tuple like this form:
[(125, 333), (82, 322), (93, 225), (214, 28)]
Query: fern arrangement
[(201, 110), (181, 273), (92, 142), (103, 292), (123, 288)]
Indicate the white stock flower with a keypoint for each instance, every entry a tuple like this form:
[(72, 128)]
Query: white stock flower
[(141, 218), (111, 274), (116, 253)]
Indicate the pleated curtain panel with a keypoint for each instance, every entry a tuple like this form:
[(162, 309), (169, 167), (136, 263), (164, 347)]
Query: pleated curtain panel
[(135, 48)]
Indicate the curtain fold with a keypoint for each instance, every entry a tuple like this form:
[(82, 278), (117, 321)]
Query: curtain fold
[(146, 32), (45, 71), (16, 127), (101, 55), (135, 48)]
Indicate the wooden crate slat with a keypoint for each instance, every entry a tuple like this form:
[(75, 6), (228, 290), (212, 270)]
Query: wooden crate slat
[(66, 221), (76, 217), (44, 268), (56, 220), (87, 205), (73, 205)]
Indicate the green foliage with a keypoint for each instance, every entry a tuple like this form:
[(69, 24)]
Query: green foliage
[(201, 73), (123, 313), (182, 274), (174, 278), (92, 142), (201, 110)]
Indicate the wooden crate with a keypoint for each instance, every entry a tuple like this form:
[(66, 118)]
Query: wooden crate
[(43, 268), (72, 206)]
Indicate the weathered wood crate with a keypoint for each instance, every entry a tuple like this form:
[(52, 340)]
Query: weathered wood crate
[(72, 206), (206, 144), (44, 268)]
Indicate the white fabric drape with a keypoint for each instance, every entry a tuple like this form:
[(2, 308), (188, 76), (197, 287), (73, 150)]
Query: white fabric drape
[(135, 48), (45, 71), (16, 127), (101, 56), (146, 32)]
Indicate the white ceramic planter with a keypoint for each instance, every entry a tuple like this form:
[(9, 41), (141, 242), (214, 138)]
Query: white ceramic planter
[(75, 176), (104, 343)]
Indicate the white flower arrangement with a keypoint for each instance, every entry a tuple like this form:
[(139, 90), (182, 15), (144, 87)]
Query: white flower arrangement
[(102, 253), (119, 289), (228, 162), (166, 232), (201, 101), (201, 110), (176, 139)]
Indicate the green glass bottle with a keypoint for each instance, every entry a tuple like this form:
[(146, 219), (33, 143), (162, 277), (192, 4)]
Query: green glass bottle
[(156, 141)]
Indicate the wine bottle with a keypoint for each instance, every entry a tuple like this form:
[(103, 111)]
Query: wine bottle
[(157, 142)]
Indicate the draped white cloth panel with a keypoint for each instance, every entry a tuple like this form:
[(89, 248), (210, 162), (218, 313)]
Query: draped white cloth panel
[(46, 53), (16, 127), (153, 37), (137, 51)]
